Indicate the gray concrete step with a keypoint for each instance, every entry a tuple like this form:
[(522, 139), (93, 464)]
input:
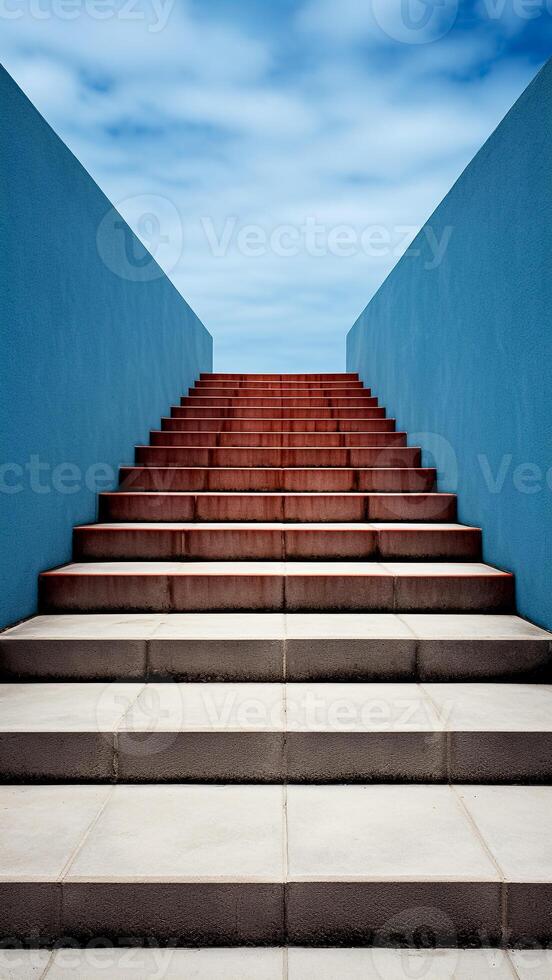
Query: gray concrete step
[(302, 865), (234, 733), (275, 647)]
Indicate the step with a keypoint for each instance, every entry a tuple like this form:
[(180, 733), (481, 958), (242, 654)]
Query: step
[(264, 390), (272, 733), (313, 480), (183, 506), (279, 440), (281, 385), (276, 586), (276, 647), (376, 423), (260, 412), (361, 400), (275, 541), (299, 865), (278, 963), (396, 456)]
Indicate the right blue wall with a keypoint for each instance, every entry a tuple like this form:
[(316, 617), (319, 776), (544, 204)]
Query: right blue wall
[(459, 346)]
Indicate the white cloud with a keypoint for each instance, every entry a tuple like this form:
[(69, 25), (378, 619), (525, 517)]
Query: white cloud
[(267, 129)]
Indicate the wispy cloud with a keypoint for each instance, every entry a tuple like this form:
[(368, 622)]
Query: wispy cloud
[(241, 135)]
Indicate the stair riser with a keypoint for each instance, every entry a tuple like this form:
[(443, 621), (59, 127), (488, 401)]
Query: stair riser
[(66, 592), (269, 660), (160, 544), (278, 426), (276, 507), (317, 913), (270, 480), (274, 757), (245, 412), (280, 440), (251, 457)]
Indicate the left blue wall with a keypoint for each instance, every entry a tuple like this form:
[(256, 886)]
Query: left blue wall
[(97, 344)]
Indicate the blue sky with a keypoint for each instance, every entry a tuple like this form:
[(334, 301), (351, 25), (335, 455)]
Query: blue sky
[(277, 157)]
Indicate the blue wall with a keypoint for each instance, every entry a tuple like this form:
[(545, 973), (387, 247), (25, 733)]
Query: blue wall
[(96, 346), (461, 353)]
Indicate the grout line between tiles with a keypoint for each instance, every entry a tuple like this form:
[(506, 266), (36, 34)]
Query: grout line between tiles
[(402, 620), (512, 965), (285, 859), (71, 860), (490, 855), (285, 963), (49, 964), (116, 730), (475, 827)]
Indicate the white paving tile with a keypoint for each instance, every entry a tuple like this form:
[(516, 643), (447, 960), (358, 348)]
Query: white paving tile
[(23, 964), (359, 708), (219, 626), (41, 827), (68, 707), (439, 569), (398, 964), (493, 707), (357, 833), (353, 626), (472, 626), (168, 964), (186, 833), (516, 824), (532, 964), (86, 626), (205, 707)]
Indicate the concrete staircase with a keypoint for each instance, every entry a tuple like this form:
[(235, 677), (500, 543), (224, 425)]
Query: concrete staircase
[(278, 699)]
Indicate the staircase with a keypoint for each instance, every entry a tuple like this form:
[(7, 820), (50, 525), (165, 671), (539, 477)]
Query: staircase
[(278, 699)]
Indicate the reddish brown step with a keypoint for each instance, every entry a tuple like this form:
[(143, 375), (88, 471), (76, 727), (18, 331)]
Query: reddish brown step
[(261, 412), (257, 401), (317, 507), (274, 440), (375, 423), (398, 456), (276, 542), (276, 586), (301, 480)]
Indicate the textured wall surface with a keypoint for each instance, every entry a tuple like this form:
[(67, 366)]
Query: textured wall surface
[(96, 345), (460, 350)]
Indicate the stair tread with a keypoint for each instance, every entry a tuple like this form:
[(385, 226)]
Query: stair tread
[(277, 963), (338, 708), (358, 526), (338, 568), (221, 834), (431, 626), (93, 626)]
